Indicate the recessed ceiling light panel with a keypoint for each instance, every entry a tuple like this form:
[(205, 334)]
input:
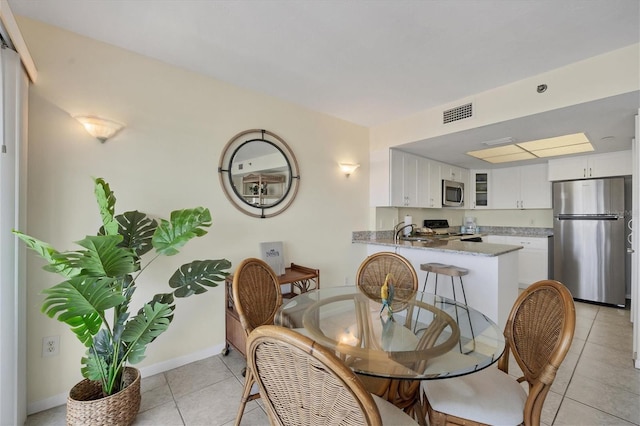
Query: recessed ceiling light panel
[(559, 141), (549, 147), (564, 150), (494, 152)]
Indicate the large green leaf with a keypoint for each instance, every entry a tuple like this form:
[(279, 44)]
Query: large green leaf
[(165, 298), (56, 264), (183, 226), (137, 231), (144, 328), (106, 203), (103, 257), (80, 302), (190, 278), (98, 357)]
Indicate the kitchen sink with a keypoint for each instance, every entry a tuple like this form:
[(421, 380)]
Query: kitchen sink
[(416, 238)]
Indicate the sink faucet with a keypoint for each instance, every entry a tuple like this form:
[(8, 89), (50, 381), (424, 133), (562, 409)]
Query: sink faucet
[(399, 230), (395, 230)]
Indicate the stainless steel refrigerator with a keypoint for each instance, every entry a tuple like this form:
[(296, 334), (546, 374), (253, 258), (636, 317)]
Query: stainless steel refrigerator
[(589, 238)]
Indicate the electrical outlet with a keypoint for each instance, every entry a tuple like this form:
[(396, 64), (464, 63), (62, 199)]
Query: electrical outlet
[(50, 346)]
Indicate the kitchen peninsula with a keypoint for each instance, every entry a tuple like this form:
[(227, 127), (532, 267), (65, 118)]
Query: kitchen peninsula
[(492, 283)]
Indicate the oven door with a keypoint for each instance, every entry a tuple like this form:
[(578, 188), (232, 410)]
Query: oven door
[(452, 194)]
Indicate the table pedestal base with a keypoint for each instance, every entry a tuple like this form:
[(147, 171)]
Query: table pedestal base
[(404, 394)]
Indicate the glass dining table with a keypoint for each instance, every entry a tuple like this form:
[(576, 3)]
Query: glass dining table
[(421, 337)]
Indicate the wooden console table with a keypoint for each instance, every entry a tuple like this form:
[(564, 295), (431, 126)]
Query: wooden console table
[(299, 279)]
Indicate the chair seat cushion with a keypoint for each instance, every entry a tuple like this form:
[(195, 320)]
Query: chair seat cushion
[(489, 396), (392, 415)]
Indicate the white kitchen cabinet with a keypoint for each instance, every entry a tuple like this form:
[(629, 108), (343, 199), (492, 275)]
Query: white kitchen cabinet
[(404, 179), (434, 184), (591, 166), (454, 173), (525, 187), (478, 191), (429, 188), (415, 181), (533, 258)]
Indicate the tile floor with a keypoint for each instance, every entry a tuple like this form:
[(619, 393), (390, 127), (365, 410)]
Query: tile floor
[(596, 384)]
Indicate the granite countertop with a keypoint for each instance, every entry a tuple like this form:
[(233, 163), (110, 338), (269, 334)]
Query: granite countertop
[(453, 244), (445, 245)]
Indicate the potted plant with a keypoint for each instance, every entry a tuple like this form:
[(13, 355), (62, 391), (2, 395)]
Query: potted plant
[(100, 280)]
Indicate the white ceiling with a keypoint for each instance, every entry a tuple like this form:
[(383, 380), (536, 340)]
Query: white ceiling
[(368, 62)]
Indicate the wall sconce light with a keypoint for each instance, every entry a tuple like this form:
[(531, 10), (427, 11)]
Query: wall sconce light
[(100, 128), (348, 168)]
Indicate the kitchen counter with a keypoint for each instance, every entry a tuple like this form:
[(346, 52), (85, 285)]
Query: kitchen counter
[(446, 245)]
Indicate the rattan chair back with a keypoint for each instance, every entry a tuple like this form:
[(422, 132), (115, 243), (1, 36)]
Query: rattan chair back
[(538, 333), (374, 269), (256, 293), (304, 383)]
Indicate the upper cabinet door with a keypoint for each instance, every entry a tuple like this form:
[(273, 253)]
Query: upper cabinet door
[(404, 179), (478, 190), (397, 178), (524, 187), (435, 184), (591, 166), (505, 188), (535, 188)]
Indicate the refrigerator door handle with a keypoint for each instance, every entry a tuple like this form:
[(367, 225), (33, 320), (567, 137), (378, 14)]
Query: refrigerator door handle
[(588, 217)]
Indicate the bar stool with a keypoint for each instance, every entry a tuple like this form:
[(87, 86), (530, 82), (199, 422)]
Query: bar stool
[(451, 271)]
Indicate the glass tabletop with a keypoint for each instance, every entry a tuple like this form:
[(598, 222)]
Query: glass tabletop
[(423, 337)]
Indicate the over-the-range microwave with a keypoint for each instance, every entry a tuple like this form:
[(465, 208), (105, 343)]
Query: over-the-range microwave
[(452, 193)]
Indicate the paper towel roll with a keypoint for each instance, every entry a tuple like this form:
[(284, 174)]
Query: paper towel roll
[(408, 220)]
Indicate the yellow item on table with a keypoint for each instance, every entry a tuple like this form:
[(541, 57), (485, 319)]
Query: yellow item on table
[(386, 294)]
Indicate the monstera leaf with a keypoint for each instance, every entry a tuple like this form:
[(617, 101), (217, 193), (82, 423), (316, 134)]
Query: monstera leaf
[(137, 230), (103, 257), (190, 278), (144, 328), (106, 204), (56, 263), (80, 302), (184, 225)]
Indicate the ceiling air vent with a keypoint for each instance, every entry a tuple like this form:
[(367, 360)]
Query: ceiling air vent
[(457, 113)]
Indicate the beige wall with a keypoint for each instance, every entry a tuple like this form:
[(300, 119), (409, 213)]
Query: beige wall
[(165, 159)]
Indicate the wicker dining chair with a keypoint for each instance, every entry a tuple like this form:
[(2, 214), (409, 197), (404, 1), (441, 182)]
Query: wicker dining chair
[(369, 279), (305, 383), (374, 269), (538, 333), (257, 297)]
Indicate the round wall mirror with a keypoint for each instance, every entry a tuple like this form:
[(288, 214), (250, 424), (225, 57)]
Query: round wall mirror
[(259, 173)]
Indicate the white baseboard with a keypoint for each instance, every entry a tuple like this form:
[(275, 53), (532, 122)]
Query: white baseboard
[(149, 370)]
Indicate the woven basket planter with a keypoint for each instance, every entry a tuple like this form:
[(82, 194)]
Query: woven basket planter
[(87, 406)]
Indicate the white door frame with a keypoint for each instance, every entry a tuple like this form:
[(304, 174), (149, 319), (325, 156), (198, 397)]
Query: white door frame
[(635, 255)]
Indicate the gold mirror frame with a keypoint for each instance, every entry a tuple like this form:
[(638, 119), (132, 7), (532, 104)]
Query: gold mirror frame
[(253, 176)]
